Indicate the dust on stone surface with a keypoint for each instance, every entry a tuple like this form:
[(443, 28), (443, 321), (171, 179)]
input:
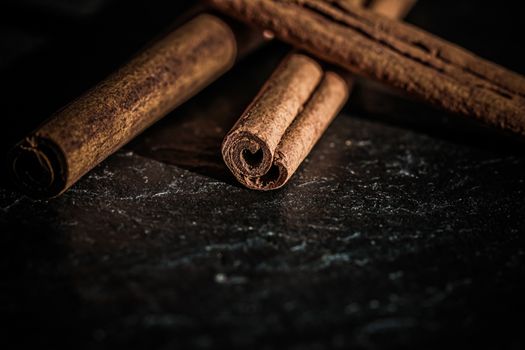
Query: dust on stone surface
[(354, 241)]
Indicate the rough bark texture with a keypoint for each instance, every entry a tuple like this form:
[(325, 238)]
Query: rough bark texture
[(321, 107), (395, 53), (310, 124), (249, 148), (84, 133)]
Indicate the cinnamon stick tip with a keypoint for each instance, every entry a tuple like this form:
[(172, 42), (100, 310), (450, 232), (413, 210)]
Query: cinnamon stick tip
[(227, 29), (341, 80), (38, 167), (307, 59)]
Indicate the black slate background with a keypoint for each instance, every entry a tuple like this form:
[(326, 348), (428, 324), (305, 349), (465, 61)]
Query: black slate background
[(404, 227)]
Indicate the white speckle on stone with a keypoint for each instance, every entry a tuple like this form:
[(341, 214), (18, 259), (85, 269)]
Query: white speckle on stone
[(220, 278), (361, 262), (395, 275), (299, 247), (364, 143), (352, 308)]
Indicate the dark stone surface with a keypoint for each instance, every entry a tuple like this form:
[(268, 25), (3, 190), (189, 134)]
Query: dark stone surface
[(404, 227)]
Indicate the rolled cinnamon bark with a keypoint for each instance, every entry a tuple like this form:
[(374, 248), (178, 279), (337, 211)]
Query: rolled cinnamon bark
[(88, 130), (392, 52), (249, 148), (305, 131), (258, 161)]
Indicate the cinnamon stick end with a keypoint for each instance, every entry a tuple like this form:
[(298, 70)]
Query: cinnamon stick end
[(274, 178), (38, 167), (245, 153)]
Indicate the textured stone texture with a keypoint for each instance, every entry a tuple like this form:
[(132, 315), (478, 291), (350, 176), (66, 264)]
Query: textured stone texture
[(400, 238), (403, 227)]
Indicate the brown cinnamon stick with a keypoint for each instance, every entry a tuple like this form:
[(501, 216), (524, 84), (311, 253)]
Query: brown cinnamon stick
[(88, 130), (249, 149), (267, 144), (393, 52), (392, 8)]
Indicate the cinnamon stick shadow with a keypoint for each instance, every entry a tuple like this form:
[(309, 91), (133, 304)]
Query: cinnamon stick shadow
[(378, 103)]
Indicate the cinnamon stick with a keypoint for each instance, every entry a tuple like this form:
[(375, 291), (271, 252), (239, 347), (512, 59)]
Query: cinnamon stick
[(268, 143), (392, 8), (82, 134), (392, 52), (249, 149)]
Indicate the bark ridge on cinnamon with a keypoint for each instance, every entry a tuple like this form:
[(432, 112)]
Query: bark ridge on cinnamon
[(398, 54)]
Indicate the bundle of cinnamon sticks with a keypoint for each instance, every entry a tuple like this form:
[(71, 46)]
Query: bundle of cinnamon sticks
[(332, 39)]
